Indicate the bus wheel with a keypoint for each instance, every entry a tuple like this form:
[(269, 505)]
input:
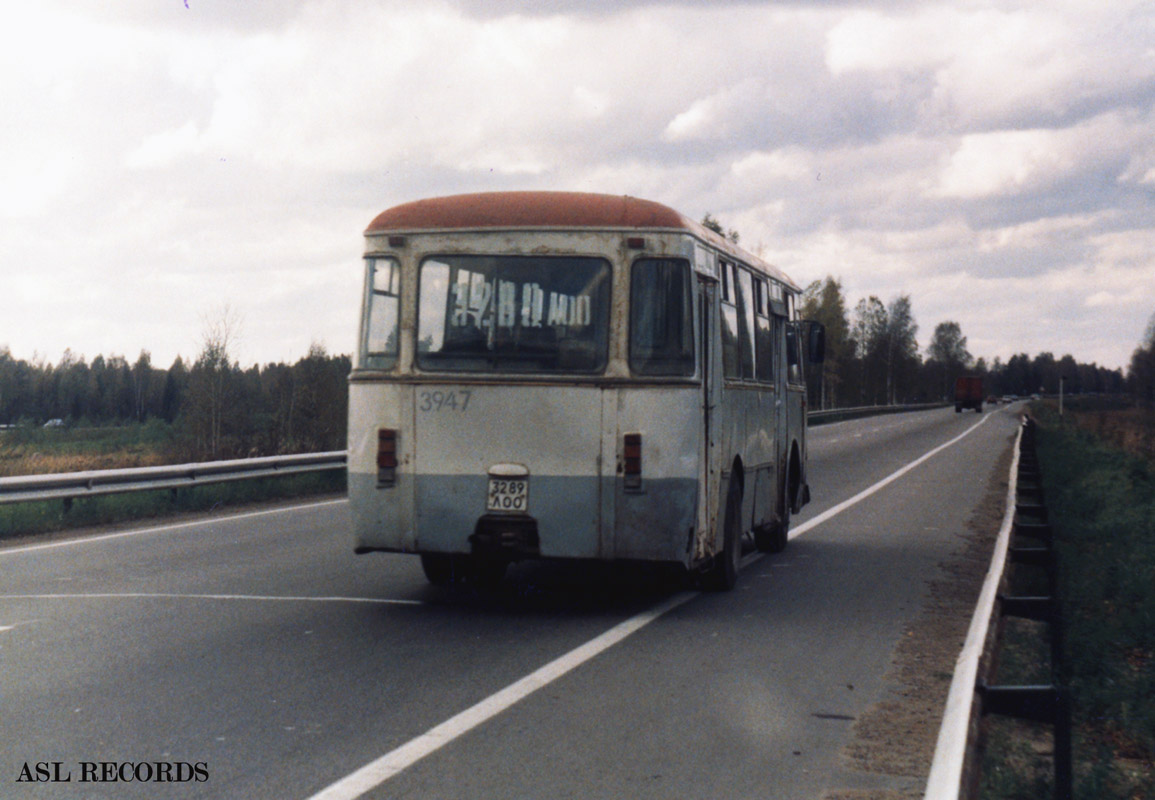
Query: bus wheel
[(723, 572), (440, 568)]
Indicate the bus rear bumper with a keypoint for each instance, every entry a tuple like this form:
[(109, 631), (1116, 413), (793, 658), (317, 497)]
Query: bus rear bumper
[(569, 517)]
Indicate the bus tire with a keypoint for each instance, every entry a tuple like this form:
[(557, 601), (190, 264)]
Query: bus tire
[(441, 568), (723, 571)]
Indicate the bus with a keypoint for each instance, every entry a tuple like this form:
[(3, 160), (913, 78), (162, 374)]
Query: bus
[(566, 375)]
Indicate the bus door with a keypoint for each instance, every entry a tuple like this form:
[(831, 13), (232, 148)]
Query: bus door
[(781, 402), (709, 477), (785, 400), (795, 393)]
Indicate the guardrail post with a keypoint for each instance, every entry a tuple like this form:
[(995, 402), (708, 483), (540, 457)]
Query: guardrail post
[(1048, 703), (1064, 756)]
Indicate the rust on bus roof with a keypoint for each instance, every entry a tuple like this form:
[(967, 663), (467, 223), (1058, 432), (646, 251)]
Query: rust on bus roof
[(529, 210)]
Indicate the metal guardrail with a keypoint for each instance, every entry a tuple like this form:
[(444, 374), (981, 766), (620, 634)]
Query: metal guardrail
[(955, 769), (839, 414), (70, 485), (945, 781)]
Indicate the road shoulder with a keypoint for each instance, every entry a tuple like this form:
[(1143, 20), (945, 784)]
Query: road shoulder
[(896, 737)]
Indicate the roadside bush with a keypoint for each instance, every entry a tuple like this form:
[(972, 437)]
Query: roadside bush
[(1102, 506)]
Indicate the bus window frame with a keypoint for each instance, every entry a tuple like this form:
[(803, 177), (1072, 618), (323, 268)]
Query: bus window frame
[(688, 288), (386, 359), (605, 355), (767, 352), (743, 281), (731, 362)]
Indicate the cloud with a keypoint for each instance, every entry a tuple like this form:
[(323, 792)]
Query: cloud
[(195, 17), (871, 40), (1006, 162), (1003, 179), (236, 151), (162, 149), (711, 117), (1006, 65), (488, 9), (788, 163)]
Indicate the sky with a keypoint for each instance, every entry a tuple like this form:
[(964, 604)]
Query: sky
[(162, 161)]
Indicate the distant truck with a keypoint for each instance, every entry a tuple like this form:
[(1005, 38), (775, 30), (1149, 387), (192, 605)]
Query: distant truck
[(968, 393)]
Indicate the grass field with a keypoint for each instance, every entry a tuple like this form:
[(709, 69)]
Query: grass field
[(35, 451), (38, 451), (1098, 472)]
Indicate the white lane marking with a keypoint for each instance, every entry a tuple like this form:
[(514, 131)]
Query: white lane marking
[(4, 551), (4, 628), (176, 596), (891, 478), (382, 769)]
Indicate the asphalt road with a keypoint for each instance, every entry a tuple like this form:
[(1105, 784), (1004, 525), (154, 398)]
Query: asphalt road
[(258, 651)]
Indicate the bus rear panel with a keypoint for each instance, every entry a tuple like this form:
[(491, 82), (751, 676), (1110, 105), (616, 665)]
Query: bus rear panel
[(528, 470), (540, 375)]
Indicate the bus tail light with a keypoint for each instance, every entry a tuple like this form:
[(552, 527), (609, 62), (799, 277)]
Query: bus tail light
[(632, 456), (386, 457)]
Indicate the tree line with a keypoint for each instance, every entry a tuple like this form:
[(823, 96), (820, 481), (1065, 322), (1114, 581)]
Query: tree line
[(873, 358), (1141, 374), (214, 408), (217, 410)]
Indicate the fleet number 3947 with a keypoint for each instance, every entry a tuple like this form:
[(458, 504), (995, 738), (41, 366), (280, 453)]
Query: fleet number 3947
[(457, 400)]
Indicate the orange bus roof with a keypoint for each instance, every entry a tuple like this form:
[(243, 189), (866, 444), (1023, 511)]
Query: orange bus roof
[(528, 210), (504, 210)]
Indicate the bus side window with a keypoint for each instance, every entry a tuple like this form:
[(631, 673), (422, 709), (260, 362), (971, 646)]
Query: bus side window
[(661, 318), (380, 343), (745, 297), (764, 357), (793, 353), (731, 358)]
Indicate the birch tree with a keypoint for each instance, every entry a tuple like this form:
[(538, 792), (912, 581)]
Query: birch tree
[(210, 382)]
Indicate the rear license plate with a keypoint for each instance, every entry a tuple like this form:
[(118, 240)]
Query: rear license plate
[(508, 495)]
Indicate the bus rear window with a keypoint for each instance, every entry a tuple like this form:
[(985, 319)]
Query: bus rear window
[(513, 314), (661, 318), (379, 337)]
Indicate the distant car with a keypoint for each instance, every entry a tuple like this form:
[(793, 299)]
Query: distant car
[(1008, 398), (992, 400), (54, 423)]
